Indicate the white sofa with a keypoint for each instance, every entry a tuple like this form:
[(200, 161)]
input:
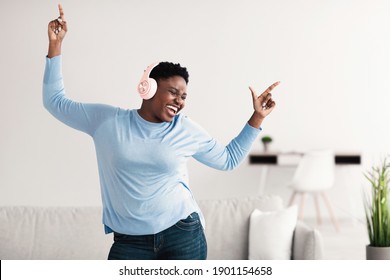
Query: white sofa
[(77, 232)]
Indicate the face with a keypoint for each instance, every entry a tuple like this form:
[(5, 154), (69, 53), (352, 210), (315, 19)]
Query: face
[(168, 101)]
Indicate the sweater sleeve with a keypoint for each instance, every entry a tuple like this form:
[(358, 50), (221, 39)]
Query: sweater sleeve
[(81, 116), (216, 155)]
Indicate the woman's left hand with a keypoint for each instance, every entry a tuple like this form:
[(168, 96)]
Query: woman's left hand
[(262, 104)]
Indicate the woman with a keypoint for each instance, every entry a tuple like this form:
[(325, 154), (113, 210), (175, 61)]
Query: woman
[(142, 156)]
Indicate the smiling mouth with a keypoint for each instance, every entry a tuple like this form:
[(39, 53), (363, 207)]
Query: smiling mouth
[(173, 109)]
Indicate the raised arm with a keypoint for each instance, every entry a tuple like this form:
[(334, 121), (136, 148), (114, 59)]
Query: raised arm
[(81, 116), (56, 30), (221, 157)]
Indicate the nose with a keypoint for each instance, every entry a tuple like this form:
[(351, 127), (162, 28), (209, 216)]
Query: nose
[(179, 100)]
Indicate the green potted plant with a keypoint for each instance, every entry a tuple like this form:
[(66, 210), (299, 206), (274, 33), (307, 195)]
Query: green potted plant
[(266, 140), (377, 210)]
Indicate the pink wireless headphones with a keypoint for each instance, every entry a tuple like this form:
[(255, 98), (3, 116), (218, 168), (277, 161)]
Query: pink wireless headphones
[(147, 87)]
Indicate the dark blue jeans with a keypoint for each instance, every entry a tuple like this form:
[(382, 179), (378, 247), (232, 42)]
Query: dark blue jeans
[(183, 241)]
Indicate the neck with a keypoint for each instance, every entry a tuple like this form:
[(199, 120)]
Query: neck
[(144, 112)]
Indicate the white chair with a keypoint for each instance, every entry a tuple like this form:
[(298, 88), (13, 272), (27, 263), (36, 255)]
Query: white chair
[(314, 175)]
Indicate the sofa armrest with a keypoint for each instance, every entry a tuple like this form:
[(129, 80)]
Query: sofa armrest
[(307, 243)]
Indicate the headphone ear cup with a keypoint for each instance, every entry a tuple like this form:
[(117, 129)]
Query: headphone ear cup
[(147, 88), (152, 89)]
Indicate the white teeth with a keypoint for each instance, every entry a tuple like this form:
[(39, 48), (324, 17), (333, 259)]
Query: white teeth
[(173, 108)]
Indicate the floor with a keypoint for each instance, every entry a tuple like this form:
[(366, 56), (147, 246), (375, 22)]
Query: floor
[(349, 243)]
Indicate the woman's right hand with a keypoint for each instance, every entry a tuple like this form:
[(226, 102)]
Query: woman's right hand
[(56, 30)]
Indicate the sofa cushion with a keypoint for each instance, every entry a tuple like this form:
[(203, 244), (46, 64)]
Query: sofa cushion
[(53, 233), (227, 224), (308, 243), (271, 234)]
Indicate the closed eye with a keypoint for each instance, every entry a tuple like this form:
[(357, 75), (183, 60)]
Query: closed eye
[(176, 94)]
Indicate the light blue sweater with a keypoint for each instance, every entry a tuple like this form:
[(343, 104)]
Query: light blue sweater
[(142, 165)]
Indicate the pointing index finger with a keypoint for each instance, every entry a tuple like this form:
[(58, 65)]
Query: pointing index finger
[(61, 10), (271, 87)]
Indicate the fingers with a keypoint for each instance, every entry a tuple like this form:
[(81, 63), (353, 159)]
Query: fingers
[(63, 25), (270, 88), (60, 23), (61, 19), (264, 101), (61, 11), (266, 94), (254, 94), (53, 26), (57, 28), (270, 104)]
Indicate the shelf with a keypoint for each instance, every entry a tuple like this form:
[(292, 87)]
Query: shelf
[(274, 159)]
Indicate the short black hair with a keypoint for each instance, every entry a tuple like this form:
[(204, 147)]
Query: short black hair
[(165, 70)]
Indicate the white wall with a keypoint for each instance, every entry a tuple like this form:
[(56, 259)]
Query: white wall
[(331, 56)]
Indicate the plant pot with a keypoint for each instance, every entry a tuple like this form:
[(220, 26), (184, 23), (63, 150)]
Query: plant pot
[(377, 253)]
